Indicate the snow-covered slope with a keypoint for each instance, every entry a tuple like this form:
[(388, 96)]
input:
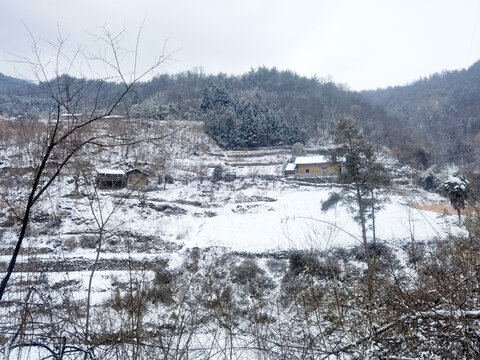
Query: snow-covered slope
[(253, 215), (259, 211)]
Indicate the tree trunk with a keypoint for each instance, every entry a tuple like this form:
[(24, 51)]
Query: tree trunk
[(374, 237), (363, 223)]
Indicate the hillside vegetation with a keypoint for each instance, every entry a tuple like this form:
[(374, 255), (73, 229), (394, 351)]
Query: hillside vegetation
[(264, 107), (444, 108)]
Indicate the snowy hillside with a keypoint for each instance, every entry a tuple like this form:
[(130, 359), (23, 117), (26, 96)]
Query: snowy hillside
[(252, 215), (230, 263), (259, 211)]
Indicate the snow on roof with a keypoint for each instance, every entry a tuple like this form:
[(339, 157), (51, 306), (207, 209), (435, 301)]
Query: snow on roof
[(303, 160), (290, 167), (70, 115), (454, 180), (137, 170), (111, 172)]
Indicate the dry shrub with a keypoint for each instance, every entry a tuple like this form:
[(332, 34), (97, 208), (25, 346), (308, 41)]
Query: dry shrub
[(88, 241), (435, 207), (70, 244), (441, 208), (162, 289)]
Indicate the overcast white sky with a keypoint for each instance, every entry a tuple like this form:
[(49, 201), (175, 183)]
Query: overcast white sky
[(364, 44)]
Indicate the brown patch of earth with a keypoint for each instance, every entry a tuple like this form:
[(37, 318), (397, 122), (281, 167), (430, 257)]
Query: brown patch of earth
[(441, 208)]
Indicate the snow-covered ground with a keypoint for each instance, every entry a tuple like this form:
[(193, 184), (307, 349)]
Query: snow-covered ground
[(255, 216), (267, 218), (247, 216), (260, 211)]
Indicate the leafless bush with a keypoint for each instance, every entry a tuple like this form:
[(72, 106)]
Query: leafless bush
[(88, 241)]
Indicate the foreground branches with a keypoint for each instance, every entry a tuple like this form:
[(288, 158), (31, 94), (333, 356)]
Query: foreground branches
[(72, 125), (303, 304)]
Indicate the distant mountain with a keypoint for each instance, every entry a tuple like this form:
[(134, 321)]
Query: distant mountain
[(8, 83), (444, 108), (21, 97)]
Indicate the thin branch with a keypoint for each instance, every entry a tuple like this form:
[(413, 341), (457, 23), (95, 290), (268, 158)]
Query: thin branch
[(325, 222), (136, 47), (10, 206)]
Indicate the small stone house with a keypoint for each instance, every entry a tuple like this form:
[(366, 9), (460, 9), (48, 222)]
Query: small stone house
[(136, 177), (111, 179), (290, 169), (319, 165)]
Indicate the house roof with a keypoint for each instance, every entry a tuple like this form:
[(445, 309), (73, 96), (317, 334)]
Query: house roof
[(319, 159), (70, 115), (290, 167), (110, 172), (137, 170)]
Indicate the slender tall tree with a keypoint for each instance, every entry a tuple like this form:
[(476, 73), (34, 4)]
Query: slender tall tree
[(366, 175)]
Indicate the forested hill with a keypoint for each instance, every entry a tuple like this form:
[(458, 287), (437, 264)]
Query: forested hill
[(8, 83), (263, 107), (266, 107), (444, 108)]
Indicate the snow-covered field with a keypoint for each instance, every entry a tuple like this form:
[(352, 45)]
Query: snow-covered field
[(260, 211), (261, 219), (248, 215), (254, 216)]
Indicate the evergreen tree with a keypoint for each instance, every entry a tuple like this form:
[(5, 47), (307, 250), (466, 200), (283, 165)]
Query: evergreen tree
[(219, 107), (456, 187), (216, 96), (217, 173), (250, 135), (298, 150), (366, 175)]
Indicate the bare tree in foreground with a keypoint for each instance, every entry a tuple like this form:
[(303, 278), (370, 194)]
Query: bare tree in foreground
[(67, 131)]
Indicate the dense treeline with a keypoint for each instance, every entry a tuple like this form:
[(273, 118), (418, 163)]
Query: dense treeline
[(267, 107), (23, 98), (238, 123), (444, 108), (263, 107)]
